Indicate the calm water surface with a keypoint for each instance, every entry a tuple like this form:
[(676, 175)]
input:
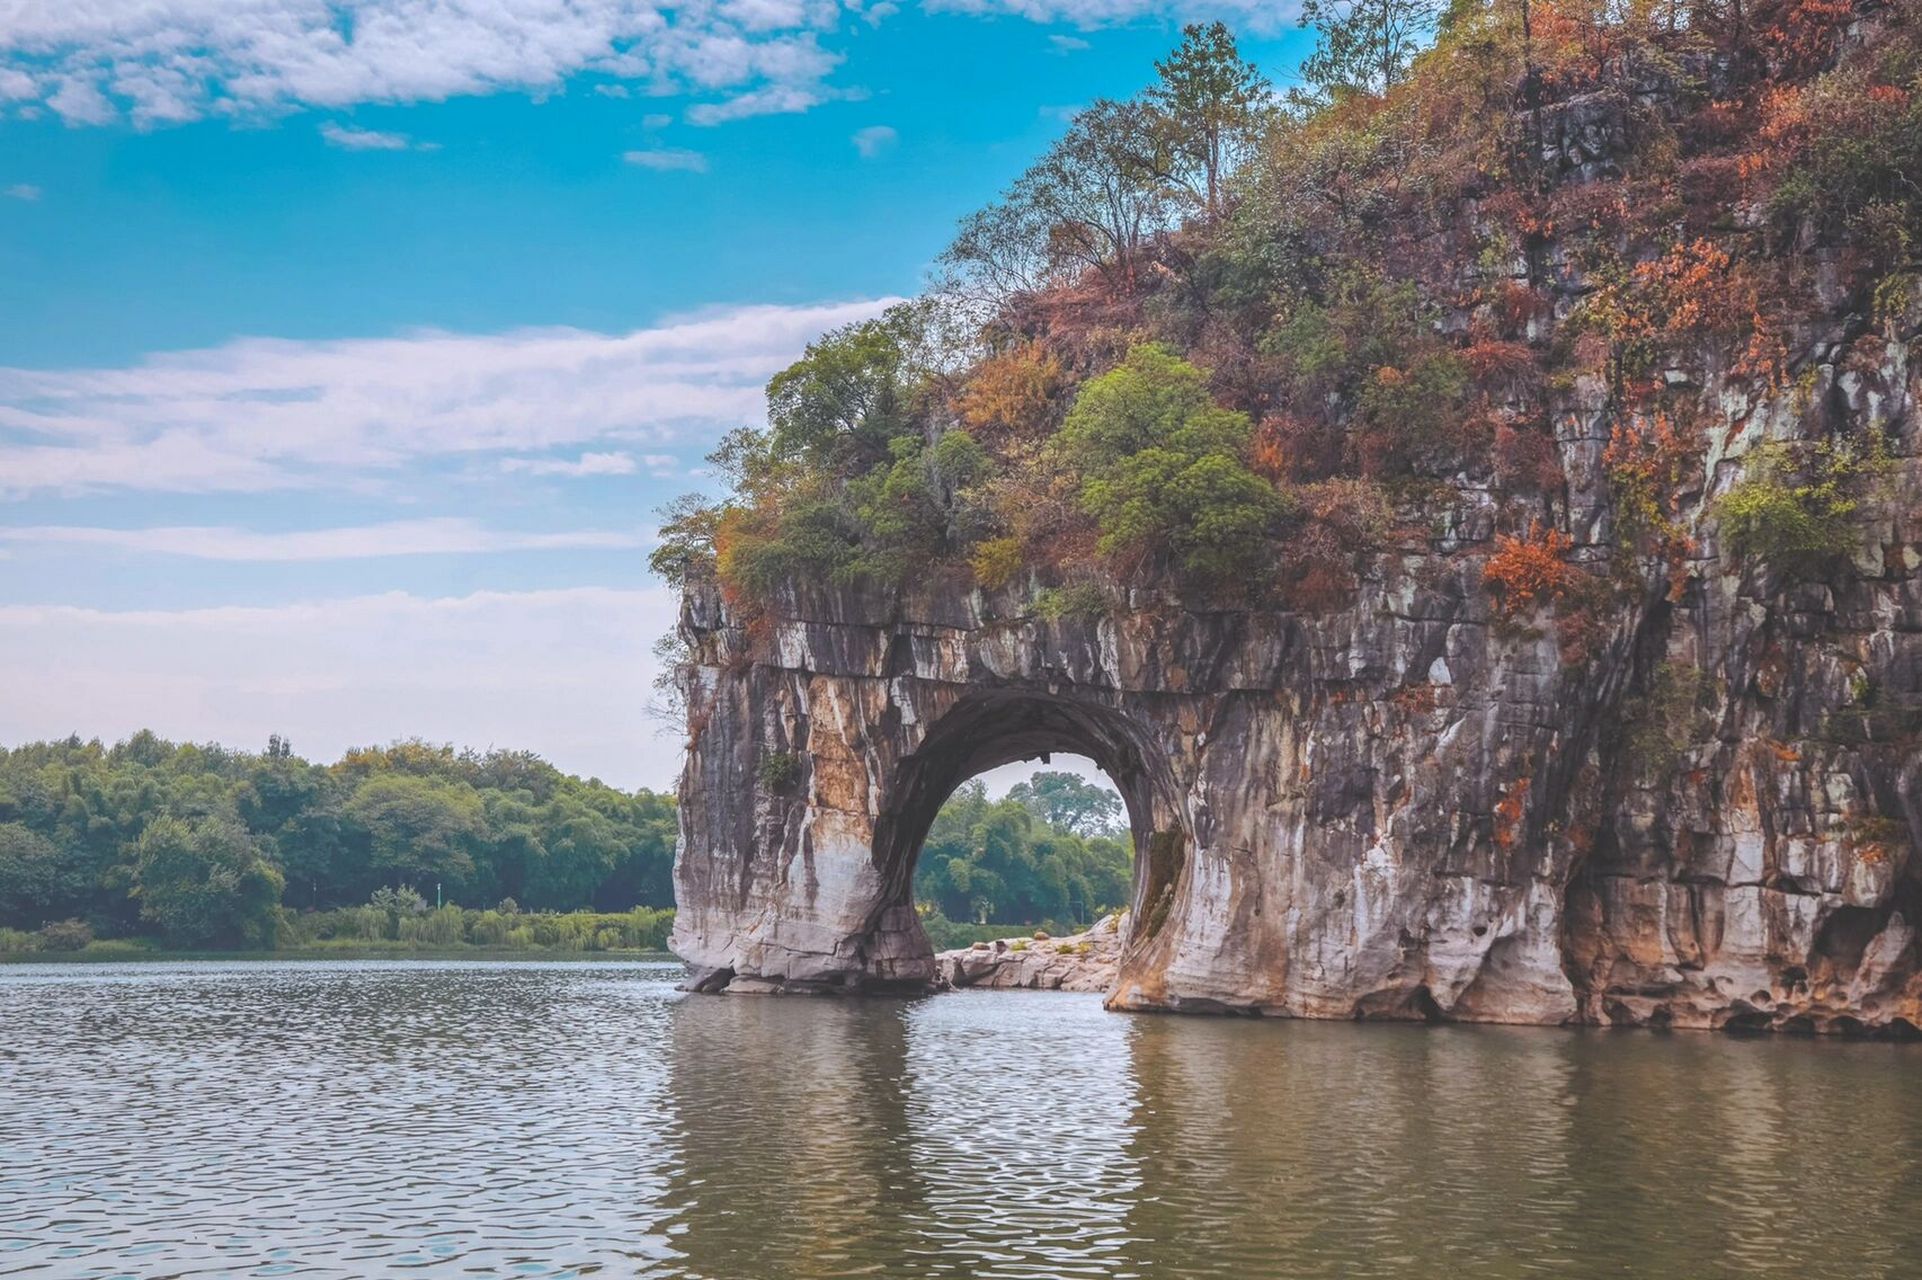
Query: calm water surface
[(433, 1119)]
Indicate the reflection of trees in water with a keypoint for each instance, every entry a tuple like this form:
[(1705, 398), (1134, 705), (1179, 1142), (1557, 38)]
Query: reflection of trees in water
[(791, 1123)]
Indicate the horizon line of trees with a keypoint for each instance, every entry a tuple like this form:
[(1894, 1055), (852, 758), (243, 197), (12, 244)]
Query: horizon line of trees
[(205, 847)]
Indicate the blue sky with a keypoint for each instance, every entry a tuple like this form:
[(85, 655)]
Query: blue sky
[(347, 347)]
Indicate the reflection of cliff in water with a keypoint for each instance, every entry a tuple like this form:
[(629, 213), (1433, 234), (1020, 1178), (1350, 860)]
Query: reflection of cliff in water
[(830, 1138), (1002, 1135), (792, 1122), (456, 1120), (1347, 1151), (1313, 1150)]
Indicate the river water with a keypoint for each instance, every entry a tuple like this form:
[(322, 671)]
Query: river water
[(468, 1119)]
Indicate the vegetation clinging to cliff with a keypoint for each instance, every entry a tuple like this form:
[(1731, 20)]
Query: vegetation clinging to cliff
[(1238, 344)]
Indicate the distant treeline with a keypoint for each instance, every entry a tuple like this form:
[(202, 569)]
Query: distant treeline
[(201, 846), (417, 846), (1054, 851)]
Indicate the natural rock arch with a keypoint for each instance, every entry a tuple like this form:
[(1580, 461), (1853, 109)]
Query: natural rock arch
[(1285, 848), (1398, 809), (811, 787), (1002, 724)]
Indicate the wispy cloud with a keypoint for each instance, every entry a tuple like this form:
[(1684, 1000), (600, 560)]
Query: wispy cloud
[(667, 160), (22, 191), (259, 413), (353, 138), (875, 140), (95, 61), (780, 99), (1262, 15), (444, 536), (588, 464), (1068, 44), (566, 673)]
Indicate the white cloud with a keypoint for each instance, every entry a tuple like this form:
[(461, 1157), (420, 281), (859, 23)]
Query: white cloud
[(875, 140), (766, 15), (1260, 15), (656, 120), (79, 102), (774, 100), (165, 61), (1068, 44), (564, 673), (589, 464), (438, 536), (667, 160), (259, 414), (22, 191), (352, 138), (92, 61)]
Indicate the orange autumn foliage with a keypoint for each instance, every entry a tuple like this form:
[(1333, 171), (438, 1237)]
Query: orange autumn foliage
[(1525, 573), (1009, 398), (1509, 811)]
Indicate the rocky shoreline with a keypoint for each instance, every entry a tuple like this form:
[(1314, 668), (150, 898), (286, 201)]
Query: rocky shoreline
[(1087, 961)]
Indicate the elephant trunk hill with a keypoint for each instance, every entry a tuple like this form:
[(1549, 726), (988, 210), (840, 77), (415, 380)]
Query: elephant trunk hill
[(1612, 717)]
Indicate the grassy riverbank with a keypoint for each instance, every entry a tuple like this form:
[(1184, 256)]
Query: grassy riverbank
[(372, 932), (137, 950), (391, 931)]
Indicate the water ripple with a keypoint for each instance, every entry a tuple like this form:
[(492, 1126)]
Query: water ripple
[(563, 1120)]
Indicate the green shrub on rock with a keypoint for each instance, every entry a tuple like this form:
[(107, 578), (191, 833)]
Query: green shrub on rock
[(1793, 518), (1164, 467)]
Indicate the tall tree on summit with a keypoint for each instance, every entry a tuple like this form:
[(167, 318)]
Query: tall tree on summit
[(1366, 46), (1212, 103)]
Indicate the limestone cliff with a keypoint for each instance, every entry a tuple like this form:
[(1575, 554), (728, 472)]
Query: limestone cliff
[(1695, 800), (1404, 808)]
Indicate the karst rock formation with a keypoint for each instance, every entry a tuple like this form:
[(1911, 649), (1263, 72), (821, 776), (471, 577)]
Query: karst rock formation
[(1406, 806)]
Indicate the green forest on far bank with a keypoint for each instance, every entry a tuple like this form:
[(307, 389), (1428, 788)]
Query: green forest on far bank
[(415, 846)]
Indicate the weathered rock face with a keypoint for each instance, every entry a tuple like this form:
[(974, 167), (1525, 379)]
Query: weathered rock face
[(1403, 809)]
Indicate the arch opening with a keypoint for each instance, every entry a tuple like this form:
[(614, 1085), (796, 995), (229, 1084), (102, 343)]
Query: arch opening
[(1000, 727)]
